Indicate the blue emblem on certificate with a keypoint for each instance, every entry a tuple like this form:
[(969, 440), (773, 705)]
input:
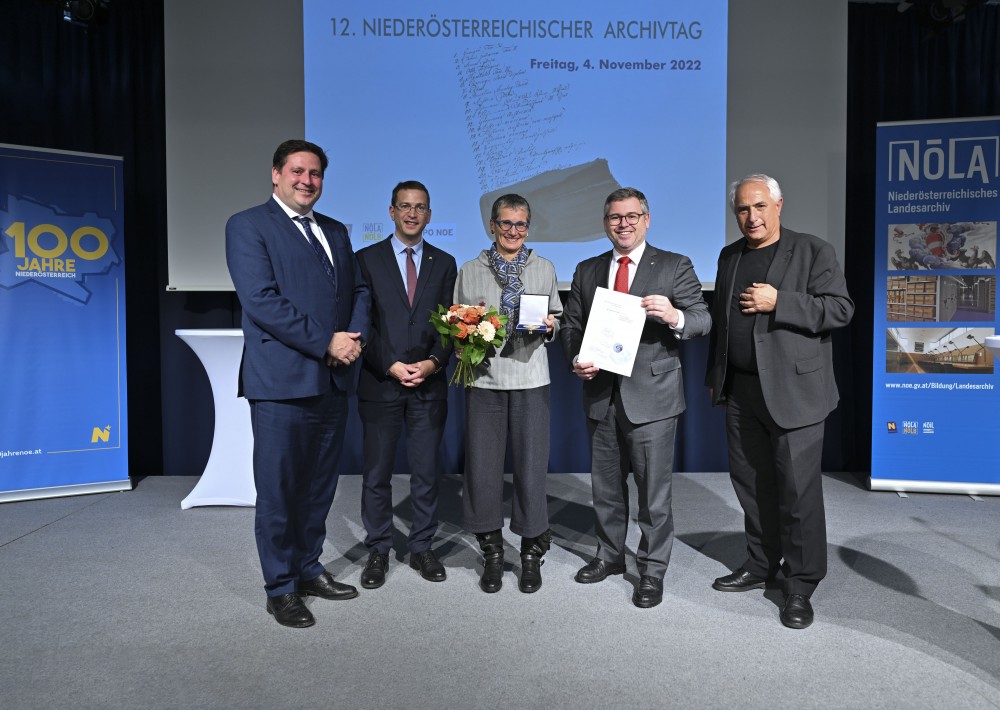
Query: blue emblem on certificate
[(613, 331), (619, 353)]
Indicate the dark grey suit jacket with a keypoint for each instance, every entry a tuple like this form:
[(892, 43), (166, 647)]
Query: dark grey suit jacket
[(655, 390), (399, 331), (792, 343)]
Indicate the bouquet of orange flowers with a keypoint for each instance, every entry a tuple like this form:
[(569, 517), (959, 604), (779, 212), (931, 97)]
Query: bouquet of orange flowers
[(471, 330)]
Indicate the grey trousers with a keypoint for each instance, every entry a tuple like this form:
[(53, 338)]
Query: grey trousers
[(489, 416), (618, 446)]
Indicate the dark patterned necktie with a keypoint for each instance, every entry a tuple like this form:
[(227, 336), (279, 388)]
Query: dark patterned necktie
[(411, 275), (318, 248)]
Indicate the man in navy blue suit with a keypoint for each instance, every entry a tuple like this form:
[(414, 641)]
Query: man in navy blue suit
[(305, 321), (403, 381)]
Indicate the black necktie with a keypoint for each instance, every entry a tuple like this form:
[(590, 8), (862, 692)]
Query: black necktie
[(318, 248)]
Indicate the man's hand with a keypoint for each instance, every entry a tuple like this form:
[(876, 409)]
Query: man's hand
[(413, 374), (759, 298), (550, 323), (586, 370), (661, 308), (343, 349), (711, 397)]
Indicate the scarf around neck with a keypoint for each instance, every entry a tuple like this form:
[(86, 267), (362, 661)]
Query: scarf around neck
[(508, 276)]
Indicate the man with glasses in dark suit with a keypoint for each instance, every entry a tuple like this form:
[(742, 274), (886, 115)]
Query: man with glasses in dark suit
[(632, 420), (403, 382)]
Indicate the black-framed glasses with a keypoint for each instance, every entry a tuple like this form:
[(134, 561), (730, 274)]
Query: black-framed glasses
[(419, 208), (506, 224), (631, 218)]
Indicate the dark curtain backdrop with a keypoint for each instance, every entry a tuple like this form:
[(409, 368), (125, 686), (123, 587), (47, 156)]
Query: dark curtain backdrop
[(900, 70), (101, 91)]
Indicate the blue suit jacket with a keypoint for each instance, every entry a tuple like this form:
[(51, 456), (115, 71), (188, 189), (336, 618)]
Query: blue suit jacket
[(400, 332), (290, 307), (793, 345)]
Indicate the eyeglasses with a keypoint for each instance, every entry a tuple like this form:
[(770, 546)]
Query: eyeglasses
[(506, 224), (631, 218), (406, 207)]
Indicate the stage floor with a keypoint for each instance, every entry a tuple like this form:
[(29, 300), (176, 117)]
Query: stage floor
[(123, 600)]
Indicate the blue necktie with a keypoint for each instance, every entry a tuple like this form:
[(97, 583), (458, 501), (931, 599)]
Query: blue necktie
[(318, 248)]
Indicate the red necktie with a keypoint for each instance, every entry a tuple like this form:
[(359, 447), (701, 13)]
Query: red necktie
[(621, 276), (411, 275)]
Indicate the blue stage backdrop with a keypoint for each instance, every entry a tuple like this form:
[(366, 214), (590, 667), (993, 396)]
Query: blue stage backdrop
[(63, 423), (935, 398)]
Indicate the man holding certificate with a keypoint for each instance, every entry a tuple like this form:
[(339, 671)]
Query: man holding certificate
[(627, 310)]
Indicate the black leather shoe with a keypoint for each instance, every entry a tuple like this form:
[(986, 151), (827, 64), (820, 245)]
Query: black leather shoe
[(288, 610), (738, 581), (797, 612), (324, 586), (649, 593), (428, 565), (597, 571), (373, 575)]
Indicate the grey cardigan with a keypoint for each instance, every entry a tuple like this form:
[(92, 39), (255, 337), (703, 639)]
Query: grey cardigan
[(521, 362)]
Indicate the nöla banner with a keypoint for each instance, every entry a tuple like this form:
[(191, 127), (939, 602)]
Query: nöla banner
[(935, 398), (63, 421)]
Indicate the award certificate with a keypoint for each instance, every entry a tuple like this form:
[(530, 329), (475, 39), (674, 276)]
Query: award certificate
[(613, 331)]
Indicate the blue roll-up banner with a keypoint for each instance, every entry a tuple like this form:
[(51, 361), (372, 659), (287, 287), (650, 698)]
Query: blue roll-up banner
[(935, 398), (63, 423)]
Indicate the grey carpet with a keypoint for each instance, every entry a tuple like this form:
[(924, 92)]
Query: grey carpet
[(123, 600)]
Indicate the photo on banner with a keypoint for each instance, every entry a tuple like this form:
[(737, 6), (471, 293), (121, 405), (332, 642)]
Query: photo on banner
[(936, 389)]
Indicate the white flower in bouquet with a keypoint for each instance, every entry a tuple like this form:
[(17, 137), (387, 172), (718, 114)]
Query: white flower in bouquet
[(486, 330)]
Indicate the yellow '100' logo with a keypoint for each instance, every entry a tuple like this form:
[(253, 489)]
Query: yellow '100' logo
[(53, 257)]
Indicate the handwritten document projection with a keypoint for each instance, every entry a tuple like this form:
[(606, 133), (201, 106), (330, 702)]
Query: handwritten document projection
[(562, 102)]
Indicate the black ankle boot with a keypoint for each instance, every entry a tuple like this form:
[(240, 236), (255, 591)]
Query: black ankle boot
[(492, 546), (532, 551)]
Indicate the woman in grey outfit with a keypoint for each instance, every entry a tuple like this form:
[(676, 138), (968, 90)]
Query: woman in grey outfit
[(510, 394)]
